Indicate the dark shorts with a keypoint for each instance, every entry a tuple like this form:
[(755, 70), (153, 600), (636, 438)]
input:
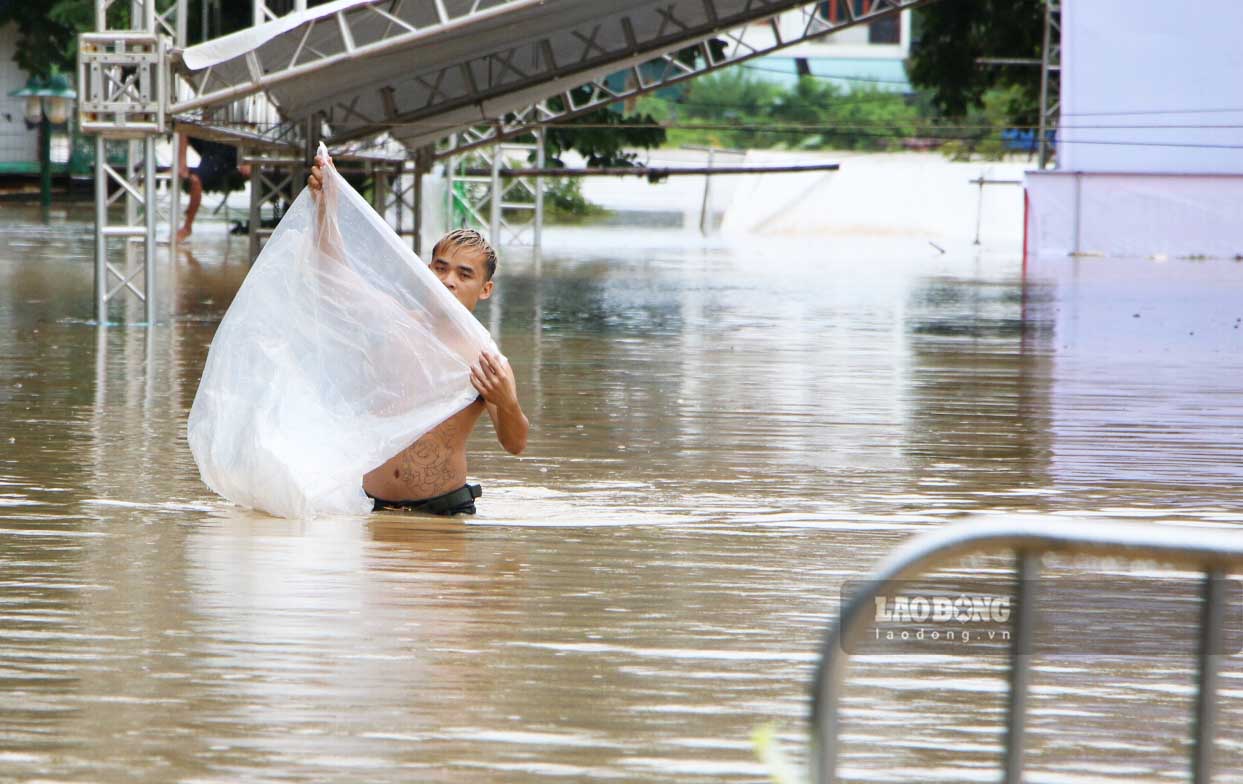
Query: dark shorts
[(214, 174), (454, 502), (217, 169)]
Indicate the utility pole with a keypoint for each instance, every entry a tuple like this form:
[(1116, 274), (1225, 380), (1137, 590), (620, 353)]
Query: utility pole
[(1050, 63)]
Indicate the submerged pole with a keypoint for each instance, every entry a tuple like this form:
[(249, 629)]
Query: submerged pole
[(538, 229), (101, 240), (45, 161), (497, 196), (149, 216), (703, 208)]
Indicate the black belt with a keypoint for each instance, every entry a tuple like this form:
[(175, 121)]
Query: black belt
[(459, 501)]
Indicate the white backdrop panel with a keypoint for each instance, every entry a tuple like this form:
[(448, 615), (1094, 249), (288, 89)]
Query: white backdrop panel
[(1152, 86), (1134, 215)]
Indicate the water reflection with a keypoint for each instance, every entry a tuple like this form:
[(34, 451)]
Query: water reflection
[(981, 386), (721, 436)]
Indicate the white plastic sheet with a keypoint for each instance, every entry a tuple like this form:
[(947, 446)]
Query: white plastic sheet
[(340, 350)]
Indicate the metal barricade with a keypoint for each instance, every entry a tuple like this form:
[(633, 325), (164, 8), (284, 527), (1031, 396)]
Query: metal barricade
[(1215, 553)]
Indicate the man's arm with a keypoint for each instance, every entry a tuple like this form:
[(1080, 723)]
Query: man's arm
[(493, 378), (327, 233)]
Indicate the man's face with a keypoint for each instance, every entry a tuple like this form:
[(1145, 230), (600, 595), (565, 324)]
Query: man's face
[(463, 270)]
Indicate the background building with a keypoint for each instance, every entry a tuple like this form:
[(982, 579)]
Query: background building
[(867, 56), (19, 144)]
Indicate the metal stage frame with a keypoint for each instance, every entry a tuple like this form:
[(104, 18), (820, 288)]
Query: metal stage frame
[(559, 70), (481, 191), (121, 81), (347, 73), (1050, 93)]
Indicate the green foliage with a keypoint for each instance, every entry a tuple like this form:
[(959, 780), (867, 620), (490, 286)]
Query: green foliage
[(814, 114), (47, 34), (731, 93), (606, 138), (564, 201), (984, 124), (866, 119), (951, 36), (603, 137), (48, 29)]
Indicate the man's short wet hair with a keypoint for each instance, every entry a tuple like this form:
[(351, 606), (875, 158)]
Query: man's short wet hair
[(468, 238)]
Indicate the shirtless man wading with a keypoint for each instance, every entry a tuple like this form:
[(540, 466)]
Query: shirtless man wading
[(430, 474)]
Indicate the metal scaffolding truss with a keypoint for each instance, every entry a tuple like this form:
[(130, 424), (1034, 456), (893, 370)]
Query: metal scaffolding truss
[(728, 47), (273, 184), (399, 197), (122, 72), (276, 180), (398, 194), (122, 80), (511, 209), (441, 77), (425, 69), (459, 76), (1050, 64)]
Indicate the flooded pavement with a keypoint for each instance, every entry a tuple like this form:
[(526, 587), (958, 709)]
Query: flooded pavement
[(722, 434)]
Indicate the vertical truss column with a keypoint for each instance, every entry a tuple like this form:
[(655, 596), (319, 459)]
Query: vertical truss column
[(173, 23), (423, 158), (380, 179), (121, 76), (396, 199), (273, 183), (537, 236), (483, 195), (401, 202), (1050, 64)]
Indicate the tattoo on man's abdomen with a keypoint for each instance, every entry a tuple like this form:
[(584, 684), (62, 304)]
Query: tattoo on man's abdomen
[(428, 462)]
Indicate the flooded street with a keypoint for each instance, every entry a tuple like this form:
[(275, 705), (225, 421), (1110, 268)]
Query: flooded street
[(723, 432)]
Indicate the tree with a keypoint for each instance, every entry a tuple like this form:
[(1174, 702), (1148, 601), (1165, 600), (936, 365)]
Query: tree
[(47, 34), (603, 137), (950, 36), (48, 31)]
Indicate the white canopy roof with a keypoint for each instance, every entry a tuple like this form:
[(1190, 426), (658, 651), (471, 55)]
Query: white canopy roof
[(422, 68)]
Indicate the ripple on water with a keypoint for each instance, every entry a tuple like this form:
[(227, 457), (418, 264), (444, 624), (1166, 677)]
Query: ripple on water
[(722, 435)]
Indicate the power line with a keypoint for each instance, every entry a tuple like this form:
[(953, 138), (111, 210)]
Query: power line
[(803, 126), (877, 80), (886, 132), (1150, 111), (828, 131)]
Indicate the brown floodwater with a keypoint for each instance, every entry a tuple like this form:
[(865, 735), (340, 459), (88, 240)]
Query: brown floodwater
[(723, 432)]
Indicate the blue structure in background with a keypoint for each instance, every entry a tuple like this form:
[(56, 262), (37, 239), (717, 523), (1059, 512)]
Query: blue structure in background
[(1023, 140)]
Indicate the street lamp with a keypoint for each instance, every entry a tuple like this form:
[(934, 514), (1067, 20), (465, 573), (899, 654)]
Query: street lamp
[(47, 105)]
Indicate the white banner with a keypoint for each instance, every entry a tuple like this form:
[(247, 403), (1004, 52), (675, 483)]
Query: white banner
[(1151, 86)]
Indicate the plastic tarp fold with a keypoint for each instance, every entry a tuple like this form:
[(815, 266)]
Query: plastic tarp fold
[(340, 349)]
